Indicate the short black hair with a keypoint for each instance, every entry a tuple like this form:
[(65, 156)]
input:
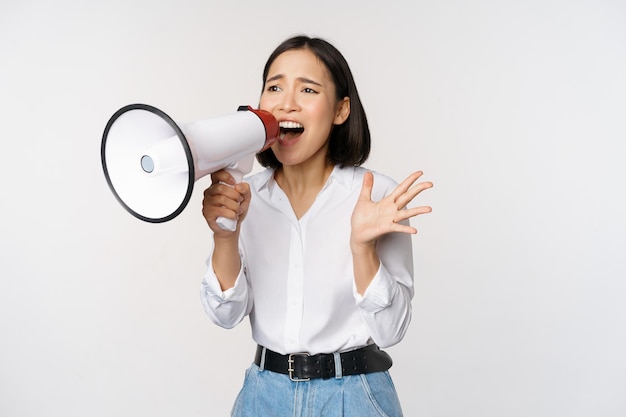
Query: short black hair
[(350, 142)]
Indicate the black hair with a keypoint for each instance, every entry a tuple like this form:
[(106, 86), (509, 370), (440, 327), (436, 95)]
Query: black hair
[(349, 143)]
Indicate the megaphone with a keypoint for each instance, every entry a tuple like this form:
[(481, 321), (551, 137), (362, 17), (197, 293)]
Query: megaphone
[(151, 164)]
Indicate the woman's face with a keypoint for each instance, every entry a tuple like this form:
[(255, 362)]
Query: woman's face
[(300, 94)]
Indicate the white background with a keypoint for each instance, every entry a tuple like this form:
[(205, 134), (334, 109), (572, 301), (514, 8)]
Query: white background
[(515, 110)]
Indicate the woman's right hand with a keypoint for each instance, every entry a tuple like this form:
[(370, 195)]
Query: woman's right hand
[(226, 199)]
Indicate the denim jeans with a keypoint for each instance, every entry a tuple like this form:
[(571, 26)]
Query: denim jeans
[(270, 394)]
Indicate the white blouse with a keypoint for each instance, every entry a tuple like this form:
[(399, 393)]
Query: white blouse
[(296, 282)]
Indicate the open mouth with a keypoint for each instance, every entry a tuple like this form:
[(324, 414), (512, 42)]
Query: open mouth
[(289, 130)]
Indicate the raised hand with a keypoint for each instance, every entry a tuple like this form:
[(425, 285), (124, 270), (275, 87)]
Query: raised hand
[(371, 220)]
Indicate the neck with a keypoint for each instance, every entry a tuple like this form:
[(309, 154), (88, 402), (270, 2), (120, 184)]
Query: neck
[(302, 184), (299, 179)]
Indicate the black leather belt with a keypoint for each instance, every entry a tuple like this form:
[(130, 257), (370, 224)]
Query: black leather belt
[(303, 367)]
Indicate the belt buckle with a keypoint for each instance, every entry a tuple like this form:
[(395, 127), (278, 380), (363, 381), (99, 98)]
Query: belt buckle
[(290, 370)]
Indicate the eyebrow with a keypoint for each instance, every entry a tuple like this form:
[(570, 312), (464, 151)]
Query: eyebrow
[(301, 79)]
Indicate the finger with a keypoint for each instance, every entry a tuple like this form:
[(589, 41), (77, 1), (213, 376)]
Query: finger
[(404, 228), (222, 176), (366, 188), (244, 190), (221, 189), (406, 184), (220, 195), (412, 212), (221, 202), (404, 199), (212, 214)]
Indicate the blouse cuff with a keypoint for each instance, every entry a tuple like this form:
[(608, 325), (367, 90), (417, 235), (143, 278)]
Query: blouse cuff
[(379, 294), (214, 290)]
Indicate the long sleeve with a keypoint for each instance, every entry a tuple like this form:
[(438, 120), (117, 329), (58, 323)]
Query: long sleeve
[(386, 304), (225, 308)]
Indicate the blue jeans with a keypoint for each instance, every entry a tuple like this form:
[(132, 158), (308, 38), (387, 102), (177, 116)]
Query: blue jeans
[(270, 394)]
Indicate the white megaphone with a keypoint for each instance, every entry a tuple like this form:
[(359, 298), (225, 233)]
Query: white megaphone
[(151, 164)]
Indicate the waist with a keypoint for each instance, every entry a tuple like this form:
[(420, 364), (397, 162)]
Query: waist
[(303, 367)]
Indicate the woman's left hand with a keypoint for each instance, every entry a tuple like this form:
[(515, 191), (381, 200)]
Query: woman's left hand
[(371, 220)]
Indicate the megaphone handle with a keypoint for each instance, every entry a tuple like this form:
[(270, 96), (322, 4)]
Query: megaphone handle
[(223, 222)]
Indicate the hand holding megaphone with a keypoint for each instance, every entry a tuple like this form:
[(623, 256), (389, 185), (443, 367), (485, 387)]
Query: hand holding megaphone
[(237, 171), (151, 164)]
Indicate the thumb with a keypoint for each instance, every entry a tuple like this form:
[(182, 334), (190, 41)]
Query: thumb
[(366, 188)]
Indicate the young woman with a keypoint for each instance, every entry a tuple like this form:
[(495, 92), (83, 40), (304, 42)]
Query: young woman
[(321, 260)]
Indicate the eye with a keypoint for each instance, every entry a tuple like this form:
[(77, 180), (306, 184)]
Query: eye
[(273, 88), (309, 90)]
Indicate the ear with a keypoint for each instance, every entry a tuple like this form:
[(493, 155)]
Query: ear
[(343, 111)]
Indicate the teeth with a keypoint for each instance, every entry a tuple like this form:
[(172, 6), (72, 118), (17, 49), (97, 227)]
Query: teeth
[(290, 125)]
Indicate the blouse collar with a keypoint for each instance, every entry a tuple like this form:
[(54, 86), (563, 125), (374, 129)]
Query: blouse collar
[(343, 176)]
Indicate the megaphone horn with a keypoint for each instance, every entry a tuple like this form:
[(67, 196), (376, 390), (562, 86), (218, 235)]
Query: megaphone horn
[(151, 164)]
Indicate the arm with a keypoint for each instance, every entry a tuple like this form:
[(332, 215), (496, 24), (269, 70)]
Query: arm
[(386, 304), (224, 293), (372, 220), (382, 257), (225, 199)]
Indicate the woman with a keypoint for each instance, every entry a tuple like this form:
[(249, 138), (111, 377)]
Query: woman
[(321, 259)]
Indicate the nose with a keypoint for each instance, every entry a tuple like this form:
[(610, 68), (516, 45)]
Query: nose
[(289, 102)]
